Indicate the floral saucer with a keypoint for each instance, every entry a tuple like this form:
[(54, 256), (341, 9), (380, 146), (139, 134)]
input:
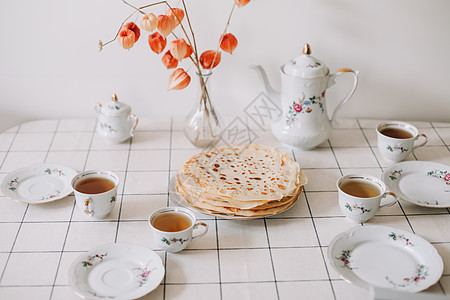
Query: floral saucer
[(385, 257), (116, 271), (422, 183), (38, 183)]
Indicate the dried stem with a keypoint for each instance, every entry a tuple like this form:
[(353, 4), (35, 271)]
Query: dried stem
[(139, 8), (115, 37), (205, 94), (192, 32), (224, 31)]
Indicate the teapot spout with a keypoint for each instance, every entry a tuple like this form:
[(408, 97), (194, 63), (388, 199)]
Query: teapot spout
[(273, 94)]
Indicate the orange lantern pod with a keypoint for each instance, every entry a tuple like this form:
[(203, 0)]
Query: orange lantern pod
[(133, 27), (176, 12), (210, 59), (229, 43), (178, 49), (189, 51), (126, 38), (169, 61), (241, 3), (149, 22), (165, 24), (178, 80), (157, 42)]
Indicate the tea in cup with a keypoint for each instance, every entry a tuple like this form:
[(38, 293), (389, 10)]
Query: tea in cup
[(396, 140), (173, 228), (96, 192), (360, 196)]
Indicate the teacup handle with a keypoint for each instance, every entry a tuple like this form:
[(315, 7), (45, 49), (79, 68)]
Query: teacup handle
[(88, 206), (204, 231), (391, 202), (423, 143), (349, 95)]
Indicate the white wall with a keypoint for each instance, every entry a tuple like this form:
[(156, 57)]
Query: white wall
[(50, 66)]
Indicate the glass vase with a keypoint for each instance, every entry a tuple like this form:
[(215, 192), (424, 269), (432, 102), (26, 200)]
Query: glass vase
[(202, 125)]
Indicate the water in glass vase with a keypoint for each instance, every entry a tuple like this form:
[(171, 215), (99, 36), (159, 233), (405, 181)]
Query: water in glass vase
[(202, 125)]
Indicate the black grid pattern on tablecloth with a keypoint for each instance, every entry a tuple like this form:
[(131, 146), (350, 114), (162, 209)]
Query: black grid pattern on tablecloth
[(276, 283)]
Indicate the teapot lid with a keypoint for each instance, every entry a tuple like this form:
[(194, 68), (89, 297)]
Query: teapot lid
[(115, 108), (305, 65)]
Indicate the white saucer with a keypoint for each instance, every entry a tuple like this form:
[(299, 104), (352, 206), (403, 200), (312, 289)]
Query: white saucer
[(116, 271), (385, 257), (38, 183), (422, 183)]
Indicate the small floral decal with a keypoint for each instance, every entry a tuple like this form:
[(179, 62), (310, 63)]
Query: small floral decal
[(51, 196), (54, 171), (345, 258), (113, 199), (116, 107), (421, 274), (396, 237), (143, 274), (92, 293), (12, 185), (303, 106), (445, 175), (315, 65), (428, 202), (173, 240), (394, 148), (357, 208), (107, 127), (90, 260), (394, 174)]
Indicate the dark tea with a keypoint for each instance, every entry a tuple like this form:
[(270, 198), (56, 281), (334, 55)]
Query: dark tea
[(94, 185), (361, 189), (172, 222), (396, 133)]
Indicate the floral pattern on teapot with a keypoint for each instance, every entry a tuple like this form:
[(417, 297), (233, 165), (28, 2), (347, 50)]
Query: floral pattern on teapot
[(303, 106), (315, 65), (107, 127)]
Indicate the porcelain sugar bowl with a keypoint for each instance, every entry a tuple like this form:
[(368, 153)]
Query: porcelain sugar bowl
[(115, 123)]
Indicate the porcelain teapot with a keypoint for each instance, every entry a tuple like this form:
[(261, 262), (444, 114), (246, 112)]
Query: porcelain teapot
[(115, 122), (304, 122)]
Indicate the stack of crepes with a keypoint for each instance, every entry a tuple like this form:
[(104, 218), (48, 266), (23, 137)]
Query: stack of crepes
[(247, 181)]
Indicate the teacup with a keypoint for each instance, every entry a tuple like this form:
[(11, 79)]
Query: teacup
[(96, 192), (173, 228), (360, 196), (396, 140)]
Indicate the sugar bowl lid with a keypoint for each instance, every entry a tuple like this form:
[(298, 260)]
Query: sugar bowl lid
[(305, 65), (115, 108)]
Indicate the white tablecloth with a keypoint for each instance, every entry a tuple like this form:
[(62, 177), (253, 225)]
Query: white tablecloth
[(281, 257)]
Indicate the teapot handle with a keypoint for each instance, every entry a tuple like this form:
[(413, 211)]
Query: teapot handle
[(135, 119), (349, 95)]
